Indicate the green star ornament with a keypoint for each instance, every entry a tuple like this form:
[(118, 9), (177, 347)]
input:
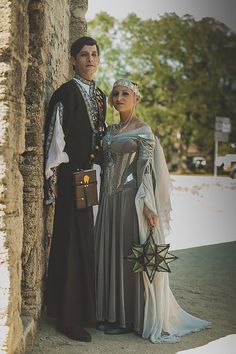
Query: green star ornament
[(151, 258)]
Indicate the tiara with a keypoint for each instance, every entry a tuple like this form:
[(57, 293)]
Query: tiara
[(127, 83)]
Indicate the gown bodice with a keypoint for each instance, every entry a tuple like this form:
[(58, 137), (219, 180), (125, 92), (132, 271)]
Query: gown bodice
[(121, 154), (120, 158)]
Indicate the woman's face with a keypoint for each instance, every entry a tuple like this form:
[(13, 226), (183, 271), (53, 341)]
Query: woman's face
[(123, 99)]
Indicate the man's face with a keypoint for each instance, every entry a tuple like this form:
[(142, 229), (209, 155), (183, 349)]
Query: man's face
[(86, 62)]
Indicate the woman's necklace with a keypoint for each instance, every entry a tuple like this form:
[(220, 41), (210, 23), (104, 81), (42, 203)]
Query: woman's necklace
[(119, 127)]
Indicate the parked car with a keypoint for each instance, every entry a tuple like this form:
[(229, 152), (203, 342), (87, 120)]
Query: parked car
[(196, 163), (233, 171), (229, 164)]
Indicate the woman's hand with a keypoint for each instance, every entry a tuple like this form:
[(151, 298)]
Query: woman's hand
[(152, 217), (53, 184)]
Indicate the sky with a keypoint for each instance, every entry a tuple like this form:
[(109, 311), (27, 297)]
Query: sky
[(222, 10)]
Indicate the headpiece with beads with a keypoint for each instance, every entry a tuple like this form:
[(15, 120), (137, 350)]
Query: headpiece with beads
[(126, 83)]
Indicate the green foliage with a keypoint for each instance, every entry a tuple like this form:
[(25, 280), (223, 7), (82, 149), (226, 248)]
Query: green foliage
[(185, 69)]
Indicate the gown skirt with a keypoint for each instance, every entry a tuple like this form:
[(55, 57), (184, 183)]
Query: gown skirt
[(120, 290)]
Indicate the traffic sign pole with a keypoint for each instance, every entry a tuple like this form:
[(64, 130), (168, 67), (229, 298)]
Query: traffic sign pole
[(216, 154), (222, 130)]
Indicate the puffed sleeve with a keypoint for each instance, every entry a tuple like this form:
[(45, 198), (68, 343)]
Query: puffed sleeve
[(56, 154), (54, 145)]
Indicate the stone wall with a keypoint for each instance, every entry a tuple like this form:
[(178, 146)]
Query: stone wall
[(13, 58), (34, 45)]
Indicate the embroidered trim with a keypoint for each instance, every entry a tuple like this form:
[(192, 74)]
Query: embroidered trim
[(90, 102), (96, 111), (87, 82)]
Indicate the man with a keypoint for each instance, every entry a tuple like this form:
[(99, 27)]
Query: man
[(74, 128)]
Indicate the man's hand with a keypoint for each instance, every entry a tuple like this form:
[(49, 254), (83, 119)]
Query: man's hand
[(54, 191)]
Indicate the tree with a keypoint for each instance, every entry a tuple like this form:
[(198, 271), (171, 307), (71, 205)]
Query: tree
[(185, 69)]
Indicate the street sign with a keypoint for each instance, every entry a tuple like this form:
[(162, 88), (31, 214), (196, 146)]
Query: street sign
[(222, 130), (223, 124), (221, 136)]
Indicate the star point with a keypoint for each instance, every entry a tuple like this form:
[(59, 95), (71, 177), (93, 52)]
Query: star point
[(150, 257)]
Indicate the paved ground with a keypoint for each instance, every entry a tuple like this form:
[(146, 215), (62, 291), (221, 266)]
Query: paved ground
[(202, 279)]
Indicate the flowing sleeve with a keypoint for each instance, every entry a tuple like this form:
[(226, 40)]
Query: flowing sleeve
[(145, 194), (164, 320), (163, 188), (154, 187), (56, 154)]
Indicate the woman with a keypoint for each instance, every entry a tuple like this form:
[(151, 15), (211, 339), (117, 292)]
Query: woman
[(135, 196)]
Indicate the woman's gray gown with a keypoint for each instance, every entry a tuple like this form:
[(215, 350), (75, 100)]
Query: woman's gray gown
[(135, 173)]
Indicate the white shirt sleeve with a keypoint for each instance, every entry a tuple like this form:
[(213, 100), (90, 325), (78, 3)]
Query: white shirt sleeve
[(56, 154), (98, 174)]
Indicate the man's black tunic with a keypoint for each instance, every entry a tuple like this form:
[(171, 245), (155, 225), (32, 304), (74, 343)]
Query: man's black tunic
[(70, 290)]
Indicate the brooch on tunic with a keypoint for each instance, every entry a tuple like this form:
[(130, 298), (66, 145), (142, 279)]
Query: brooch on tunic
[(150, 257)]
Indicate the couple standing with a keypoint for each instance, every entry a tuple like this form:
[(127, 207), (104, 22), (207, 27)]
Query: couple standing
[(90, 282)]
